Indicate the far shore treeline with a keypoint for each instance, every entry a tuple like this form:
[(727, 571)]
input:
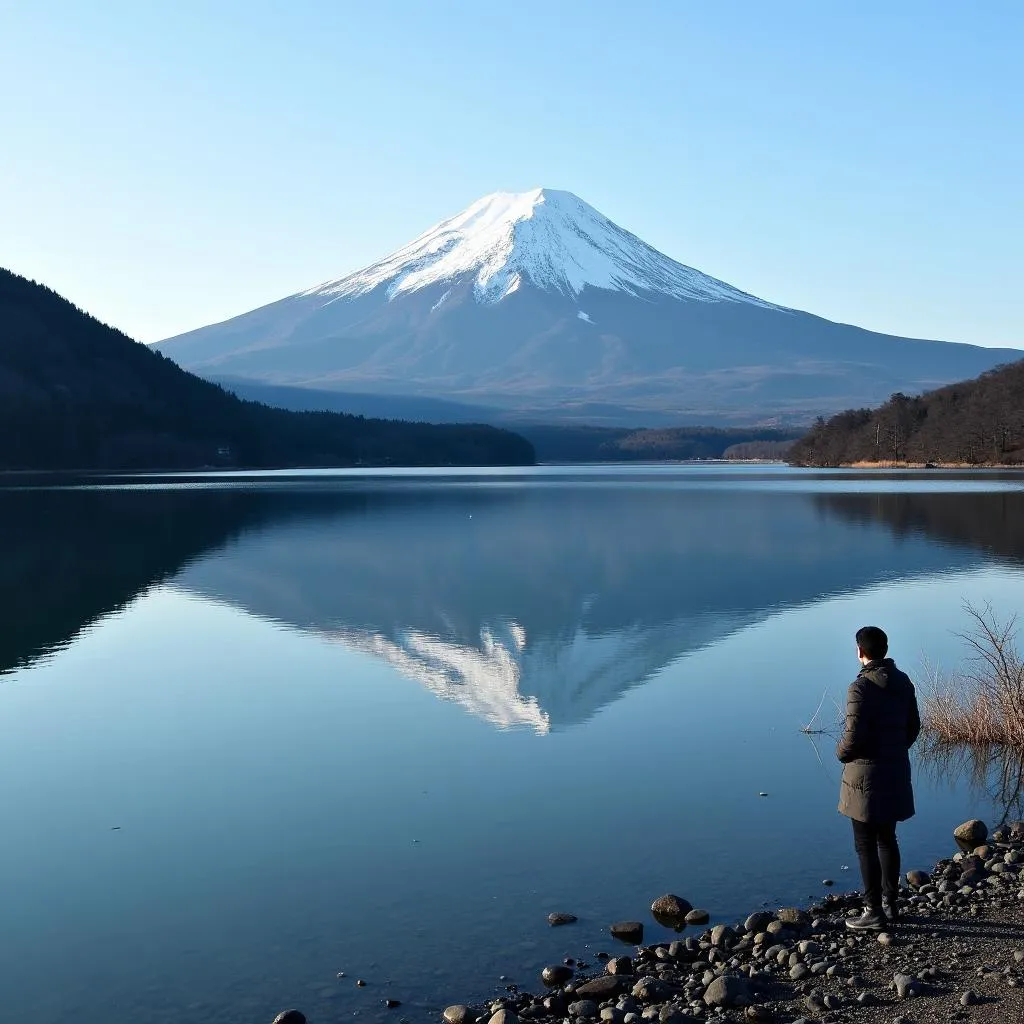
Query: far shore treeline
[(77, 394), (977, 422)]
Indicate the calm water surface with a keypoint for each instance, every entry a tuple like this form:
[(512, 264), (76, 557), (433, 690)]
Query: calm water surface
[(258, 730)]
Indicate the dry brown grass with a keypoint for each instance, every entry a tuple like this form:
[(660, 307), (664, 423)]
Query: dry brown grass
[(891, 464), (982, 706)]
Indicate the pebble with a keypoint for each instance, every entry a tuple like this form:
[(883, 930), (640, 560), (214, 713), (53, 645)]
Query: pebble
[(969, 998), (904, 985)]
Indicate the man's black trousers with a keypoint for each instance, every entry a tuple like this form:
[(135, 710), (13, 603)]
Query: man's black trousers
[(879, 855)]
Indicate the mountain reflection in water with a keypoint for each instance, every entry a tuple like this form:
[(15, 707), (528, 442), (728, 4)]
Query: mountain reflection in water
[(533, 602)]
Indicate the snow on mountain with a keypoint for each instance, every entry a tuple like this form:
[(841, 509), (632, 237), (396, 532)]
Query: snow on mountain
[(538, 307), (553, 238)]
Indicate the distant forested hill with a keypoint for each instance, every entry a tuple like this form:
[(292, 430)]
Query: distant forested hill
[(976, 422), (558, 443), (77, 394)]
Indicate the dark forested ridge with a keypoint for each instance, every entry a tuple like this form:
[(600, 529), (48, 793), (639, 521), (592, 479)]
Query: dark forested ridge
[(556, 443), (77, 394), (975, 423)]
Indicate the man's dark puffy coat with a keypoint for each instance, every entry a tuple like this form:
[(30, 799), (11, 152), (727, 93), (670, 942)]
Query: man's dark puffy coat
[(882, 723)]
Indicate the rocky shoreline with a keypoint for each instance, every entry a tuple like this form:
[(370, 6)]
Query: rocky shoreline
[(955, 954)]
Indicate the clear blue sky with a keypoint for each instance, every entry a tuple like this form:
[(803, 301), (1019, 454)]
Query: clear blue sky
[(167, 165)]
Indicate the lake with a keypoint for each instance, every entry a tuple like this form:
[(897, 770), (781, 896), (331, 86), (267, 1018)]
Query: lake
[(257, 730)]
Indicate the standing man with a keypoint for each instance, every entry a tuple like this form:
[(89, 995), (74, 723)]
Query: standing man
[(882, 723)]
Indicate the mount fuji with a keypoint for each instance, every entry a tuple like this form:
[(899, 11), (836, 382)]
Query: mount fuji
[(538, 306)]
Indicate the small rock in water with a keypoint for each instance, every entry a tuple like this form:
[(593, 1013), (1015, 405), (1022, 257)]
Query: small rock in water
[(392, 1003), (290, 1017), (628, 931), (828, 882), (697, 916), (458, 1014), (559, 919), (671, 907), (918, 878), (360, 983), (762, 794)]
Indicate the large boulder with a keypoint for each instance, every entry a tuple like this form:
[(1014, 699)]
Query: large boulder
[(971, 833), (602, 988), (727, 990)]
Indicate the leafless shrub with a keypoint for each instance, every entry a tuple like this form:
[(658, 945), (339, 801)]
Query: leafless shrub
[(982, 706)]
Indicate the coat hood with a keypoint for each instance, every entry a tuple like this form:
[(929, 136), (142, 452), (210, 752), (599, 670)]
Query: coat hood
[(878, 672)]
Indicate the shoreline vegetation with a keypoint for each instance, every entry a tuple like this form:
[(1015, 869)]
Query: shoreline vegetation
[(981, 706), (973, 424), (76, 394)]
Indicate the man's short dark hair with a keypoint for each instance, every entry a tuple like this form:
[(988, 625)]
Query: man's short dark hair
[(873, 642)]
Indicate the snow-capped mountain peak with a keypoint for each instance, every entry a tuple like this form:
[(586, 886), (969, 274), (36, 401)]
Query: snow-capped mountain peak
[(551, 238)]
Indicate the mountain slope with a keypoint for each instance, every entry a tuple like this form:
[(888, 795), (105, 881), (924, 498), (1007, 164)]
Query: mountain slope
[(975, 422), (77, 394), (537, 302)]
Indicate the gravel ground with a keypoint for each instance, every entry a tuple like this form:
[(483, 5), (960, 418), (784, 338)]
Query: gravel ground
[(956, 954)]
